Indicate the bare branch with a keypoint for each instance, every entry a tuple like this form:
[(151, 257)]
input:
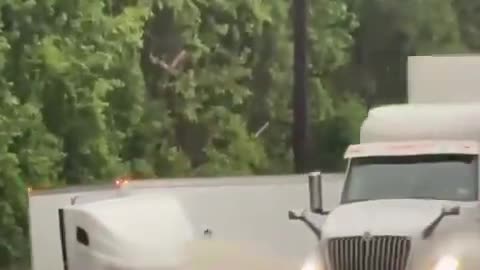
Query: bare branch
[(172, 68)]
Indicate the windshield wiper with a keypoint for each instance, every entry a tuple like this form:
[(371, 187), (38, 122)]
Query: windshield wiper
[(397, 198), (392, 198), (358, 200), (423, 197), (428, 231)]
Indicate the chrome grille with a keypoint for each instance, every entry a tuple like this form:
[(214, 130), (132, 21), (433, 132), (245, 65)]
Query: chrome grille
[(369, 253)]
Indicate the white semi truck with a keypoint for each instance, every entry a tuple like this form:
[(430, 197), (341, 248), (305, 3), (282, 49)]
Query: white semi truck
[(411, 195)]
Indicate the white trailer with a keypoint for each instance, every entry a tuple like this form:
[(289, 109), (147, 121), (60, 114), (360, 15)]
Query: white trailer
[(123, 225), (411, 195), (443, 79)]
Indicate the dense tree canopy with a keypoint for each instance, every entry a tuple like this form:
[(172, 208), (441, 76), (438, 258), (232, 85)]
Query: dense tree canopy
[(91, 90)]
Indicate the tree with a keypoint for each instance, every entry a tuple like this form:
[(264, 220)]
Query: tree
[(66, 78), (389, 32), (93, 90)]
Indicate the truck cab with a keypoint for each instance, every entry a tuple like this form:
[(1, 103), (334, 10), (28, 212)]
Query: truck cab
[(410, 199), (400, 194)]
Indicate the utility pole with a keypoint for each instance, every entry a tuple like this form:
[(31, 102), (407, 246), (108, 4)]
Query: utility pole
[(300, 123)]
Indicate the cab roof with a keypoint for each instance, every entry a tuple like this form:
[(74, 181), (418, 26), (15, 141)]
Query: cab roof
[(411, 122), (412, 148)]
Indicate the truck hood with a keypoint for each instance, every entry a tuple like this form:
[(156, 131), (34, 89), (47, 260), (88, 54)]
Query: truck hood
[(383, 217)]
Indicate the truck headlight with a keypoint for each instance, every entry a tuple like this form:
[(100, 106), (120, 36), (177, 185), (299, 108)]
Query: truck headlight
[(312, 263), (446, 263)]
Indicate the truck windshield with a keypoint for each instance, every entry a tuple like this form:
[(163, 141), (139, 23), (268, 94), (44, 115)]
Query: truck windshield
[(441, 177)]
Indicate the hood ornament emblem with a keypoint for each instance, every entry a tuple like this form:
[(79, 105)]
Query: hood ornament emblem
[(366, 236)]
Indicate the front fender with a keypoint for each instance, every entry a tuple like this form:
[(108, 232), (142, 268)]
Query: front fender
[(461, 245)]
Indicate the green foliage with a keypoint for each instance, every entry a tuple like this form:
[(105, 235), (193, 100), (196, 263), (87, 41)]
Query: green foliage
[(332, 135), (468, 22), (69, 96), (91, 90), (390, 31)]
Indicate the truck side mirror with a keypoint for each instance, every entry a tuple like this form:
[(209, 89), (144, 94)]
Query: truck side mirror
[(428, 231), (301, 216), (454, 211), (315, 190)]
